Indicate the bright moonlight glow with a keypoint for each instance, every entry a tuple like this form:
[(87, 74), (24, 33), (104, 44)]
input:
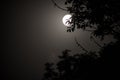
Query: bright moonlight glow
[(66, 19)]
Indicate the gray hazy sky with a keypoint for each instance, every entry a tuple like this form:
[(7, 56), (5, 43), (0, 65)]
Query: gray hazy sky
[(34, 35)]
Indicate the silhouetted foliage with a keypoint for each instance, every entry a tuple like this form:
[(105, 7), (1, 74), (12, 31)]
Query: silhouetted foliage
[(82, 67), (72, 67), (101, 17), (85, 66)]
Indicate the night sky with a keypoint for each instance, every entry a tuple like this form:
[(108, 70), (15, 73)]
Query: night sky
[(33, 35)]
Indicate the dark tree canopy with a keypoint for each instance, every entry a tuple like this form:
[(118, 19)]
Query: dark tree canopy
[(84, 66), (102, 18)]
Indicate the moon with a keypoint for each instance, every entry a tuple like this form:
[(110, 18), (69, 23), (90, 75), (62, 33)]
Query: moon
[(66, 19)]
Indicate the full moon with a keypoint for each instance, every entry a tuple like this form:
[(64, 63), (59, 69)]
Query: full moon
[(66, 19)]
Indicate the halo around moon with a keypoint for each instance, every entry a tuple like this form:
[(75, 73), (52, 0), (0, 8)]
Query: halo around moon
[(66, 19)]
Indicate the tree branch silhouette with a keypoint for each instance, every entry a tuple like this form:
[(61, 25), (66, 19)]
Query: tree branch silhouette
[(58, 5), (79, 45), (104, 17), (92, 38)]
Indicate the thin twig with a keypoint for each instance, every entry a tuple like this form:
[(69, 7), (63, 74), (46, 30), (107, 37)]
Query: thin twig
[(58, 5), (96, 42), (79, 45)]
